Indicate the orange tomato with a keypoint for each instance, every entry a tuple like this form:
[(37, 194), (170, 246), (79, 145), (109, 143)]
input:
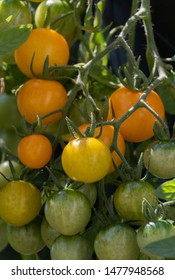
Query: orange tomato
[(41, 97), (107, 137), (138, 126), (34, 151), (41, 43)]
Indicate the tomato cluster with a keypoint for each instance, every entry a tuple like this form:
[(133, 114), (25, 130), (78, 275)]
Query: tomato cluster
[(85, 179)]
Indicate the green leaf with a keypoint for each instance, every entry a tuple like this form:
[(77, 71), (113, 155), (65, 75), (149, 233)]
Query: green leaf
[(165, 93), (166, 190), (11, 39), (164, 248)]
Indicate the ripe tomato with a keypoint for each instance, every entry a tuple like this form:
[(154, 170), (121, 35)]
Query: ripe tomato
[(50, 10), (138, 126), (3, 235), (35, 150), (159, 158), (26, 240), (5, 170), (154, 231), (86, 159), (128, 199), (42, 43), (116, 242), (106, 136), (20, 203), (48, 233), (73, 247), (68, 211), (41, 97)]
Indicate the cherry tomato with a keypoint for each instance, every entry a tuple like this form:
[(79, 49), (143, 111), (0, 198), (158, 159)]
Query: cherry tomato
[(34, 150), (26, 240), (50, 10), (159, 157), (106, 136), (116, 242), (90, 191), (128, 199), (68, 211), (41, 43), (73, 247), (139, 125), (48, 233), (20, 202), (86, 159), (154, 231), (41, 97)]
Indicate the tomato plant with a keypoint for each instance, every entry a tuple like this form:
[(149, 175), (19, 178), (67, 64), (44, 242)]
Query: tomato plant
[(139, 126), (20, 202), (41, 97), (86, 159), (116, 242), (26, 240), (159, 159), (154, 231), (128, 199), (106, 134), (72, 70), (41, 44), (68, 211), (73, 247)]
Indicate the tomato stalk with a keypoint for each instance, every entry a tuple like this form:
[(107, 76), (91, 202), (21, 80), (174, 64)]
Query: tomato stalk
[(152, 51)]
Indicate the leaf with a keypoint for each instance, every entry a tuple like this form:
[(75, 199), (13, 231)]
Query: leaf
[(166, 190), (104, 76), (11, 39), (164, 248), (167, 98)]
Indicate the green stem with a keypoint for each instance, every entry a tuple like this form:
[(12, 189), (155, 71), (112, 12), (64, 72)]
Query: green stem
[(151, 51)]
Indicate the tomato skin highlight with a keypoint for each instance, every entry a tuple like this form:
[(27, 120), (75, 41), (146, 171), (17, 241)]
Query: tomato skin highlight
[(41, 97), (116, 242), (128, 199), (20, 203), (159, 157), (34, 151), (68, 211), (154, 231), (86, 160), (41, 43), (138, 126)]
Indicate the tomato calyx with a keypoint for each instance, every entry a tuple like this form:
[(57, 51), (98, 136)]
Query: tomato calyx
[(151, 213)]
